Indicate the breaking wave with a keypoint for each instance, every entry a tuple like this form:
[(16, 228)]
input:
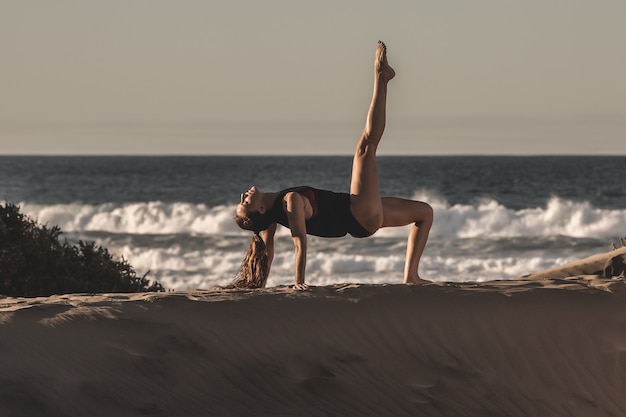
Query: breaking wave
[(487, 217)]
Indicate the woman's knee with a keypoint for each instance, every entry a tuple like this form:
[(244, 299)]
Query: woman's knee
[(426, 215)]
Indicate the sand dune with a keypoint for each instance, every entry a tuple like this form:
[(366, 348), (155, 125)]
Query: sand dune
[(549, 346)]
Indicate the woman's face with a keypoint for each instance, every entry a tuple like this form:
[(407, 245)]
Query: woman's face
[(250, 202)]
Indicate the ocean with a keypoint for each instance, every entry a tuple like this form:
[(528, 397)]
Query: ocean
[(495, 217)]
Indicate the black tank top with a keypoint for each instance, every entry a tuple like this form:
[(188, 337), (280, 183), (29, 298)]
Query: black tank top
[(331, 213)]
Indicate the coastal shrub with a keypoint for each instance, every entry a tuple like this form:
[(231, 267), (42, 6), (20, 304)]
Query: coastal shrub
[(34, 262)]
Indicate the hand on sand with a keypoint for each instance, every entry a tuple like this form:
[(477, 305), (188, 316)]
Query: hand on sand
[(301, 287)]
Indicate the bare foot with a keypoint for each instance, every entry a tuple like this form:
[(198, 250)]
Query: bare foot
[(417, 280), (380, 62)]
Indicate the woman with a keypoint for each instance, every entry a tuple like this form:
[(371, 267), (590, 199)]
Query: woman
[(324, 213)]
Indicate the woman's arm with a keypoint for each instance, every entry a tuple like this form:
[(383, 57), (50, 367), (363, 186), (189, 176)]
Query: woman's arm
[(268, 237), (294, 207)]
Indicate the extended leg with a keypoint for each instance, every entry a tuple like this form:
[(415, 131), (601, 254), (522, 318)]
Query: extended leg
[(366, 204), (400, 212)]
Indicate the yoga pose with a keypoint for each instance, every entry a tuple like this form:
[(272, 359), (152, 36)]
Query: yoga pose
[(306, 210)]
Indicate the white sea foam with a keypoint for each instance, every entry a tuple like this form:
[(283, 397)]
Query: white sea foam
[(557, 218), (485, 218), (137, 218)]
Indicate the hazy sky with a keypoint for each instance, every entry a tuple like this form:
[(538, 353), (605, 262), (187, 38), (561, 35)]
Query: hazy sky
[(295, 77)]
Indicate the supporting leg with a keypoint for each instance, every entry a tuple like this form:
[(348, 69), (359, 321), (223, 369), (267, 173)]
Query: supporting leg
[(400, 212)]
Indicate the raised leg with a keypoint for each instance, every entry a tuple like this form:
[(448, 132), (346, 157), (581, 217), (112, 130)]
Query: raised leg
[(366, 203), (400, 212)]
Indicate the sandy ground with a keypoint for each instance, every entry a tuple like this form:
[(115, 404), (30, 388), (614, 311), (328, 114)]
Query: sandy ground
[(548, 344)]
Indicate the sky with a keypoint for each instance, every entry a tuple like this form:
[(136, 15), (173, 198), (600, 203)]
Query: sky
[(157, 77)]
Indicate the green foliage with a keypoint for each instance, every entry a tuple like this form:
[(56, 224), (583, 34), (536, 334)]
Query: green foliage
[(34, 262)]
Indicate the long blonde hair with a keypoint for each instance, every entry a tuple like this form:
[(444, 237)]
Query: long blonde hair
[(255, 267)]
